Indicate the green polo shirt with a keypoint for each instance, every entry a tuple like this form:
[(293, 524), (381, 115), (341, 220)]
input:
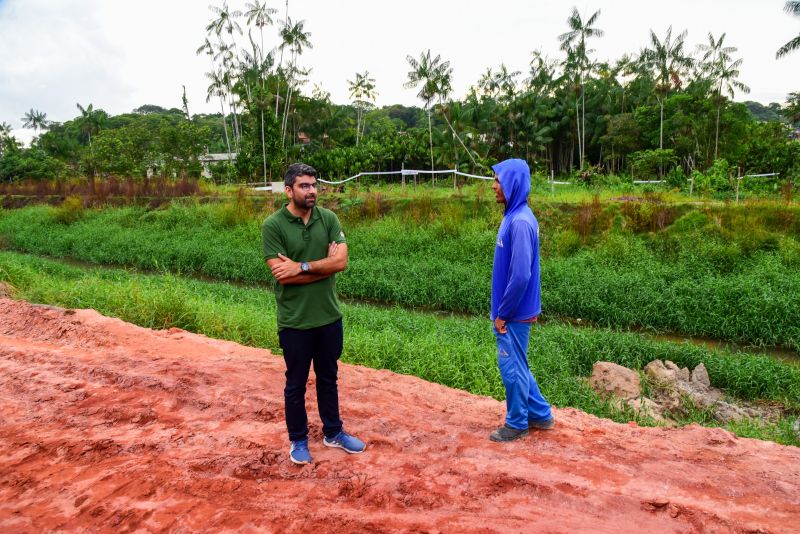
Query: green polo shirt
[(308, 305)]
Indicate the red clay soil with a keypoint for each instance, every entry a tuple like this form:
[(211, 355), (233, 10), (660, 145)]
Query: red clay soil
[(106, 426)]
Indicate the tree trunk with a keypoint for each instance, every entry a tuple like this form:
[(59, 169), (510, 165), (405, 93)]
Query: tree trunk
[(583, 124), (263, 146), (578, 127), (716, 137), (430, 140), (358, 124), (225, 126)]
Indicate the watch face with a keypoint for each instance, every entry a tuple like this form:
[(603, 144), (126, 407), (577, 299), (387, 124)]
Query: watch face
[(304, 267)]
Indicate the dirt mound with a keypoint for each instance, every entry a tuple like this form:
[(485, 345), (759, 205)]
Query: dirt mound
[(111, 427)]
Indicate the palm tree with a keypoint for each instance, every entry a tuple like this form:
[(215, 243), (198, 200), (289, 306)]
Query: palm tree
[(792, 7), (792, 108), (226, 72), (224, 20), (624, 71), (283, 45), (668, 63), (362, 91), (542, 75), (432, 74), (722, 71), (35, 119), (296, 39), (259, 13), (507, 82), (575, 40), (90, 121), (5, 133), (218, 88)]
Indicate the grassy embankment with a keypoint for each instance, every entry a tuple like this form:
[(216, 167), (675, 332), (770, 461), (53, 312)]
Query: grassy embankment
[(455, 351), (724, 272)]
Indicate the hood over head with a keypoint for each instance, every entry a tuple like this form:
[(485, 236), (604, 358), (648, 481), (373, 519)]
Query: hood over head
[(515, 181)]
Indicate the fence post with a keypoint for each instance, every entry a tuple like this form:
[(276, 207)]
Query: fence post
[(738, 180)]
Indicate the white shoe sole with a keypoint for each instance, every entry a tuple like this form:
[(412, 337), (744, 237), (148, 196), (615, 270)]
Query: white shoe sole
[(297, 462), (337, 446)]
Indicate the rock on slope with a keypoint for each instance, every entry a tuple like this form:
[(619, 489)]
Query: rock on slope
[(108, 426)]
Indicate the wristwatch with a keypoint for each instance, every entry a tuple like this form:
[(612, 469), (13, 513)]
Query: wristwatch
[(305, 267)]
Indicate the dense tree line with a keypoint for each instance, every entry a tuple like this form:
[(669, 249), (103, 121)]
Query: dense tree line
[(666, 110)]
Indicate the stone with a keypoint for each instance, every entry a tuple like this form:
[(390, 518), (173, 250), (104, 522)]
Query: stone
[(680, 373), (726, 412), (647, 407), (700, 376), (611, 379), (657, 372)]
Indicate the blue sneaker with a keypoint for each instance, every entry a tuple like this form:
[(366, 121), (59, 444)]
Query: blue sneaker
[(299, 454), (345, 441)]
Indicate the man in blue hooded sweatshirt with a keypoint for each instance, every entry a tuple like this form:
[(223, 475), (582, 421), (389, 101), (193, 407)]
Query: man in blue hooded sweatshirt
[(516, 301)]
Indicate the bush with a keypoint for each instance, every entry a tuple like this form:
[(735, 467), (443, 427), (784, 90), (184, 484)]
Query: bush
[(676, 178), (69, 211), (568, 243), (692, 221), (790, 252), (647, 163), (238, 212), (758, 240), (719, 176)]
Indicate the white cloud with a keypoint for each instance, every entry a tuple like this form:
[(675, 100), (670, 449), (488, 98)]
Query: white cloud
[(53, 55), (119, 55)]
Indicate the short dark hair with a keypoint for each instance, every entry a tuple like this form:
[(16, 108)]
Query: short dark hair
[(298, 169)]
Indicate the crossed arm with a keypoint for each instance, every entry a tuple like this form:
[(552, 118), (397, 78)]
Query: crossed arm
[(288, 272)]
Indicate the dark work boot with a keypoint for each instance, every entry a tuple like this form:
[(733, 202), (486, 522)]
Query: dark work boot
[(506, 433), (546, 424)]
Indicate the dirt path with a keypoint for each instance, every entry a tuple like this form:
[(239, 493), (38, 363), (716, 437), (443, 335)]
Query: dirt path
[(110, 427)]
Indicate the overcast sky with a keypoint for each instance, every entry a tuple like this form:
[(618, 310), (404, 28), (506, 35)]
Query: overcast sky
[(119, 55)]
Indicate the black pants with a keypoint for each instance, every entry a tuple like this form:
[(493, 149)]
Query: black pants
[(323, 346)]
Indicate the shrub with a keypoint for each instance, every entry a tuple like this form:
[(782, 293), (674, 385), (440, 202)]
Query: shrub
[(69, 211), (690, 222), (676, 178), (719, 176), (568, 243), (790, 252), (757, 240), (647, 163), (238, 212)]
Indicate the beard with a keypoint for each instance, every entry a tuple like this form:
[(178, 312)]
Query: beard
[(305, 203)]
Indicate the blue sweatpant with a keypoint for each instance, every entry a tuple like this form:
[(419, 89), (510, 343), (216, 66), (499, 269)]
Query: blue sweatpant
[(524, 401)]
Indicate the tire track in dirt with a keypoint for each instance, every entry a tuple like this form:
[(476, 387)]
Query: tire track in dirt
[(111, 427)]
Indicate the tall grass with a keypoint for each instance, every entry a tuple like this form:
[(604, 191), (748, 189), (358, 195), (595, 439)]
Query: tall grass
[(454, 351), (726, 273)]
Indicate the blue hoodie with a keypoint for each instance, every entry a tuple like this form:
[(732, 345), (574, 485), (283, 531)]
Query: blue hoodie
[(516, 292)]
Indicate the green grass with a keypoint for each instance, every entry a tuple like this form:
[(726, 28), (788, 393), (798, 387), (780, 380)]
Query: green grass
[(726, 273), (454, 351)]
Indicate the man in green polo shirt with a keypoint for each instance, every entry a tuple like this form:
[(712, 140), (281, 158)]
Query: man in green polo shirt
[(305, 247)]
